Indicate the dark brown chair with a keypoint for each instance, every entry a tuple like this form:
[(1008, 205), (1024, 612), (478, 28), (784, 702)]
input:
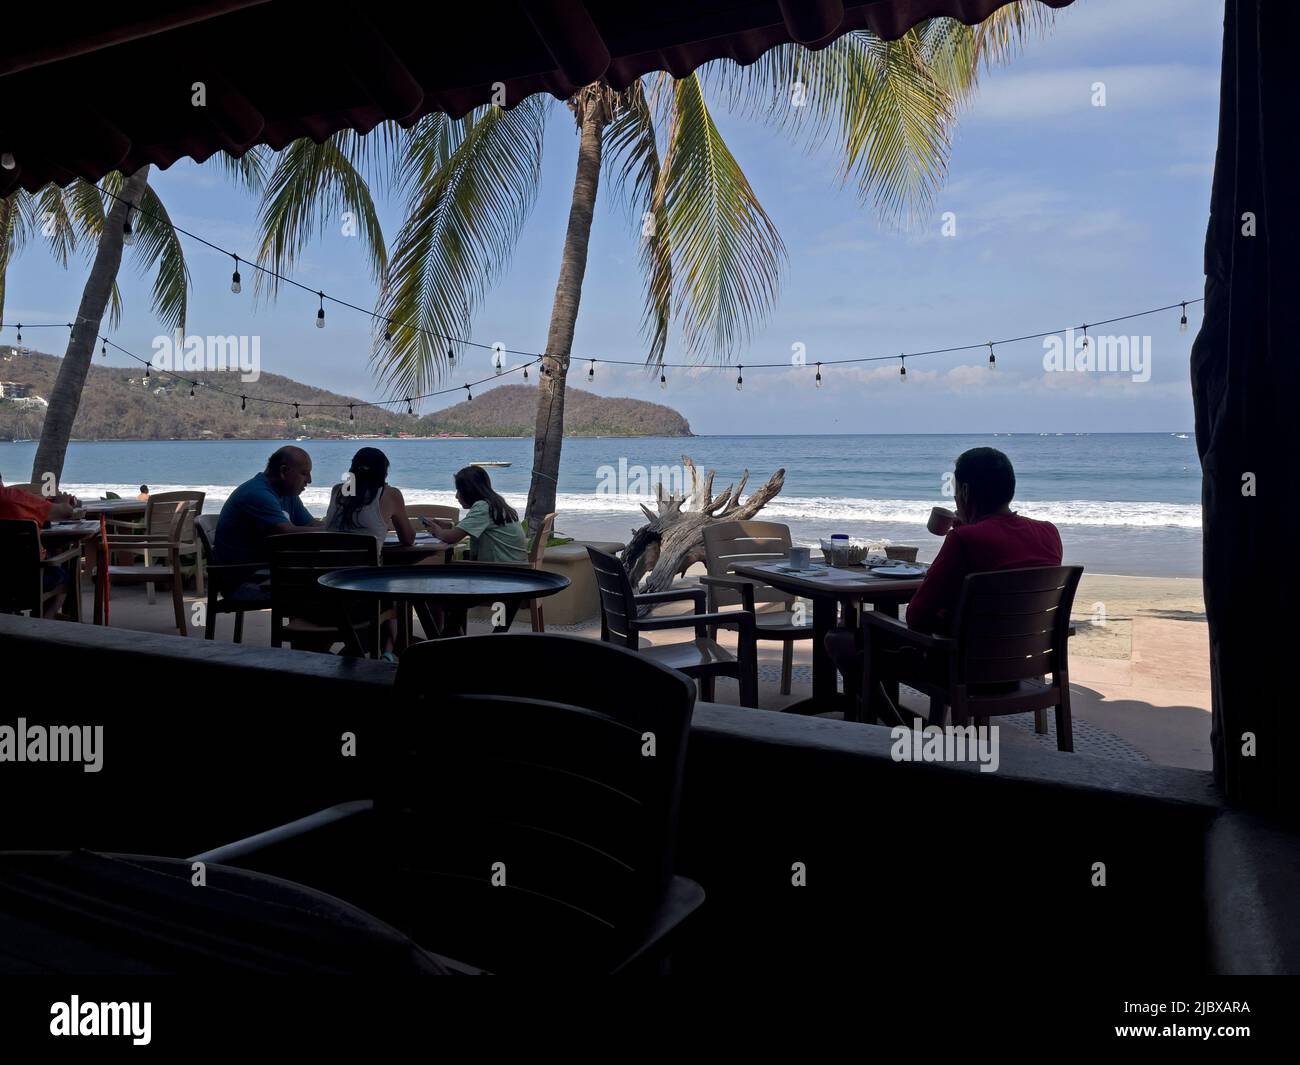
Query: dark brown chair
[(310, 617), (22, 570), (701, 658), (224, 579), (526, 817), (731, 543), (1011, 628)]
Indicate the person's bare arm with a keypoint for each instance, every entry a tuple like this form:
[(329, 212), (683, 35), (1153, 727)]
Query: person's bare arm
[(397, 517), (444, 531)]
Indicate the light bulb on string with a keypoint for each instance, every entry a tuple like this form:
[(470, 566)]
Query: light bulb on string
[(295, 410), (902, 369), (7, 161), (320, 314), (1085, 336), (469, 395), (191, 390), (234, 278), (20, 332), (451, 355), (243, 403), (663, 381), (409, 408), (591, 374), (819, 375), (128, 234), (388, 331), (740, 378), (352, 413), (103, 348), (1182, 322), (993, 359)]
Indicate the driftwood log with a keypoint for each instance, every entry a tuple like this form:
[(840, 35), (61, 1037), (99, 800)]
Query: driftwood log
[(672, 540)]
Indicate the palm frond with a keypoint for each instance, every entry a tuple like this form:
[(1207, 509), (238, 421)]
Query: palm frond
[(158, 247), (632, 154), (310, 187), (249, 171), (56, 224), (727, 256), (471, 184)]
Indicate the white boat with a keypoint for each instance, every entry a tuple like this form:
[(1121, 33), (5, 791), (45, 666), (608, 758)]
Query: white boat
[(491, 463)]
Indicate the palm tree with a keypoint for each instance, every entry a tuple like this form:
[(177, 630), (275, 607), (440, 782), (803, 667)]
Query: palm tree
[(101, 214), (710, 256)]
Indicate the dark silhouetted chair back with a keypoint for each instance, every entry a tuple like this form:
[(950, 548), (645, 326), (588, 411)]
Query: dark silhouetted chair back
[(20, 567), (618, 610), (535, 798), (1013, 625)]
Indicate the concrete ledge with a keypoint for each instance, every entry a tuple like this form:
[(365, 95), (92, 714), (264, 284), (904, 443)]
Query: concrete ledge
[(816, 848)]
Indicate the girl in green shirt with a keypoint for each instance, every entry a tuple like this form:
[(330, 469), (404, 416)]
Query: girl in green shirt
[(491, 524)]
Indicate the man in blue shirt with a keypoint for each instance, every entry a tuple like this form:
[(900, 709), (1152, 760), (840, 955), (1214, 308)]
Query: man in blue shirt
[(263, 506)]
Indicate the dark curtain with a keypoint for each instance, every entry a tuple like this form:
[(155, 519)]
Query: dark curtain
[(1245, 365)]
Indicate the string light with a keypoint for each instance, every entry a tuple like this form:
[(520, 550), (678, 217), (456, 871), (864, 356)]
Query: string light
[(663, 381), (243, 403), (1182, 322), (20, 332), (591, 374), (320, 315), (352, 413), (128, 234), (819, 375), (525, 373), (409, 408), (103, 350), (993, 359), (388, 332), (234, 278), (469, 394), (7, 161), (1085, 336), (295, 410), (451, 355), (740, 379), (191, 390), (902, 369)]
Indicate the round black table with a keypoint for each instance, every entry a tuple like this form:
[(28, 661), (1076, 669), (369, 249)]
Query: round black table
[(458, 585)]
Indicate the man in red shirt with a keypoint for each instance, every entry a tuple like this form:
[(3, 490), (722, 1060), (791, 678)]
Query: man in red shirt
[(19, 505), (986, 535)]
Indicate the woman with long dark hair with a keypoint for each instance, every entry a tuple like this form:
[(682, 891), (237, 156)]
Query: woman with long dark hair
[(491, 523), (367, 503)]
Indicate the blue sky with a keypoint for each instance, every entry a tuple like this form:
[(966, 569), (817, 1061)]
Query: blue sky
[(1065, 213)]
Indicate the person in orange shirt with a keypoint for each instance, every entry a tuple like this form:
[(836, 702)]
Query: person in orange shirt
[(18, 505)]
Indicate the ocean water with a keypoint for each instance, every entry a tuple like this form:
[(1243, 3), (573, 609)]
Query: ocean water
[(1125, 502)]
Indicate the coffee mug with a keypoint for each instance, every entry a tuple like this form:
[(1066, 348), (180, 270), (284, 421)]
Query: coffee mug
[(940, 521), (800, 557)]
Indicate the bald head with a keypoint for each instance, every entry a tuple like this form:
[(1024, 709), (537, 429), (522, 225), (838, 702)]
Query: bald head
[(289, 470)]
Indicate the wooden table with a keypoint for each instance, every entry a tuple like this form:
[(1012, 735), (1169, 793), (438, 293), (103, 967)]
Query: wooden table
[(114, 509), (427, 548), (829, 589), (86, 535)]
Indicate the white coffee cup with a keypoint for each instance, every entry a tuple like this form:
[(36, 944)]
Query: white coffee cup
[(800, 557)]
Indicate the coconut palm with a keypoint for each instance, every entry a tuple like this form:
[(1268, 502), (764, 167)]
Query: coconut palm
[(710, 256), (99, 213)]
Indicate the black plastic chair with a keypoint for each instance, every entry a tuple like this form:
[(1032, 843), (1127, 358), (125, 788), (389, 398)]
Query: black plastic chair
[(224, 579), (702, 658), (529, 809), (22, 570)]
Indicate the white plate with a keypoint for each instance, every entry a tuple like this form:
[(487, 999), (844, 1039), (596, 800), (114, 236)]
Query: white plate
[(901, 572)]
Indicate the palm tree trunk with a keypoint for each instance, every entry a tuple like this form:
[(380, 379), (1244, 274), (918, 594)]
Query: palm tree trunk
[(8, 207), (66, 395), (548, 436)]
